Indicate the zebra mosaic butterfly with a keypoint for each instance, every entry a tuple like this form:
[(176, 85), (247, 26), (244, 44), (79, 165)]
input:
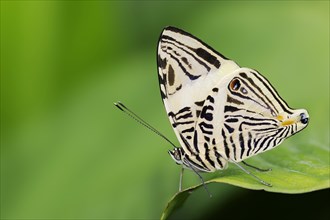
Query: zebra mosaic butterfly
[(220, 112)]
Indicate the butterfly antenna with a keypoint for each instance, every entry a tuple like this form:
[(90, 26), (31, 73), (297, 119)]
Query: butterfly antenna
[(137, 118)]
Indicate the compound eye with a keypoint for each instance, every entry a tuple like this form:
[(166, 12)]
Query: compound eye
[(235, 84)]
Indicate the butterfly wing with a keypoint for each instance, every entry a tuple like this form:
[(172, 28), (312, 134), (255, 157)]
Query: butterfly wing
[(188, 70), (245, 117)]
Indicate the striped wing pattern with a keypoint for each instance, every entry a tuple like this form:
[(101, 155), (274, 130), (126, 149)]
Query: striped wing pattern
[(219, 111)]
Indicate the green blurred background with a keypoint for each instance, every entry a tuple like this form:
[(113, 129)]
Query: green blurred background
[(67, 152)]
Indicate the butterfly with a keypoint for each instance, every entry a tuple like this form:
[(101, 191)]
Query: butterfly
[(221, 113)]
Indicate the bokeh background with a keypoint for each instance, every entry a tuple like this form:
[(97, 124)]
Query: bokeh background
[(67, 152)]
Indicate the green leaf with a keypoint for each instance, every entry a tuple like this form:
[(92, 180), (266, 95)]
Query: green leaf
[(299, 166)]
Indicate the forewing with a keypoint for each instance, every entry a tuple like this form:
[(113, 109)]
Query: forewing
[(188, 69)]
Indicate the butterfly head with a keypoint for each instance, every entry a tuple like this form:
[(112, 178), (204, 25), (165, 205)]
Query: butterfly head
[(176, 155)]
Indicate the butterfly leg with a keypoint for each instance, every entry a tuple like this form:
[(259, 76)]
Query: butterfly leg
[(200, 177), (254, 176), (256, 168), (181, 178)]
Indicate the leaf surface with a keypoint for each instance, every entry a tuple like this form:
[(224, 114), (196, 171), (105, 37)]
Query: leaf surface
[(298, 166)]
